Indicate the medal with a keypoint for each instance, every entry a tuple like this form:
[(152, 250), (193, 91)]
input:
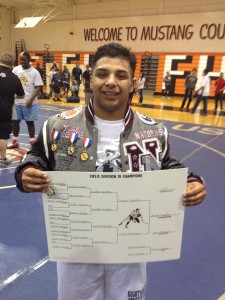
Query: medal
[(71, 150), (86, 143), (54, 147), (73, 137), (50, 191), (56, 137), (84, 156)]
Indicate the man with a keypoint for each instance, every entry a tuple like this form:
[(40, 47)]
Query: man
[(9, 86), (65, 76), (56, 83), (203, 93), (190, 83), (86, 82), (219, 87), (107, 127), (26, 108), (167, 81), (87, 77), (76, 74)]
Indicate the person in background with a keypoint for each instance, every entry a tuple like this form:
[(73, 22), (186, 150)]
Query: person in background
[(190, 83), (65, 77), (56, 84), (86, 77), (219, 88), (41, 71), (51, 73), (203, 93), (131, 94), (109, 125), (86, 82), (26, 108), (9, 86), (141, 84), (74, 87), (167, 80), (76, 74)]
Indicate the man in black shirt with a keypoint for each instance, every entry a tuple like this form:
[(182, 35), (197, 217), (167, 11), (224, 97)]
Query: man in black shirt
[(9, 86), (87, 78), (76, 74)]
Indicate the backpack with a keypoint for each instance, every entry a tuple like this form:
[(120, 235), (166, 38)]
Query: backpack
[(73, 99)]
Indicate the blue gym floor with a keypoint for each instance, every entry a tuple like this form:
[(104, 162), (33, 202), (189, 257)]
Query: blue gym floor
[(27, 274)]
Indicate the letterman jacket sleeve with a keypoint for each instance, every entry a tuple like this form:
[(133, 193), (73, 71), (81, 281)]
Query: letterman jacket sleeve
[(37, 157)]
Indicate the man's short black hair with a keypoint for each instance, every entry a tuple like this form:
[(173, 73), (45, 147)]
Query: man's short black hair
[(26, 54), (115, 50)]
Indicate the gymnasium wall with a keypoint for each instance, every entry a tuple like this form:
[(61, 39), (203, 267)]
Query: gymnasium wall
[(5, 30), (177, 44)]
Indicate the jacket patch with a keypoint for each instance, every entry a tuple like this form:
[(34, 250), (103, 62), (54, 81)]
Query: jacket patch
[(149, 133), (69, 114), (146, 119), (67, 129), (145, 157)]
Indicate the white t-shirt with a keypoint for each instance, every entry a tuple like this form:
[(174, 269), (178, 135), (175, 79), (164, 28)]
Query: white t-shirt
[(108, 151), (205, 83), (141, 83), (29, 79)]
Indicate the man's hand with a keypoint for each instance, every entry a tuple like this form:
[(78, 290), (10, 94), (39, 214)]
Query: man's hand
[(29, 103), (195, 193), (34, 180)]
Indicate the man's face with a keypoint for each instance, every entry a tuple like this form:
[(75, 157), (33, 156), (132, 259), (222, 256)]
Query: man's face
[(25, 62), (111, 83)]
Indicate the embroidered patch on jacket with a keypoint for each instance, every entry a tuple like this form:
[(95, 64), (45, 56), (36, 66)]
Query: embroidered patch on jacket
[(69, 114), (146, 119)]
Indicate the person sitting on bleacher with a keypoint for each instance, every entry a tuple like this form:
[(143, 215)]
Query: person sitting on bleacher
[(74, 88)]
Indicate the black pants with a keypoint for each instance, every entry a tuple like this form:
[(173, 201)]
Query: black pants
[(198, 100), (188, 94), (218, 98), (140, 95)]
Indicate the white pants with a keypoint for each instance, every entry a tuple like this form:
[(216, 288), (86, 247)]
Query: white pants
[(101, 282)]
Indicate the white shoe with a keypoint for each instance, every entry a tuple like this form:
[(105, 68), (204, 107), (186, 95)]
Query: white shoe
[(15, 144)]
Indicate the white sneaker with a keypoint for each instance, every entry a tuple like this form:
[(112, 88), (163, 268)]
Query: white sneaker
[(14, 144)]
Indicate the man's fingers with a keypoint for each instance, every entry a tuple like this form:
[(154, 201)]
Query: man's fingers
[(34, 180), (195, 194)]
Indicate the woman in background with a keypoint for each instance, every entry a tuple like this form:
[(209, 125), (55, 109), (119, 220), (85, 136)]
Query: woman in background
[(141, 84)]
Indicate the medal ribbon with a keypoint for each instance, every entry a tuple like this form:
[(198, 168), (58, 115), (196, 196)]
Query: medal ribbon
[(55, 135), (73, 137), (87, 142)]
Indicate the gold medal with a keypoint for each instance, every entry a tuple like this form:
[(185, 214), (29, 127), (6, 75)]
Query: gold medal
[(70, 150), (84, 156), (50, 191), (54, 147), (86, 143)]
